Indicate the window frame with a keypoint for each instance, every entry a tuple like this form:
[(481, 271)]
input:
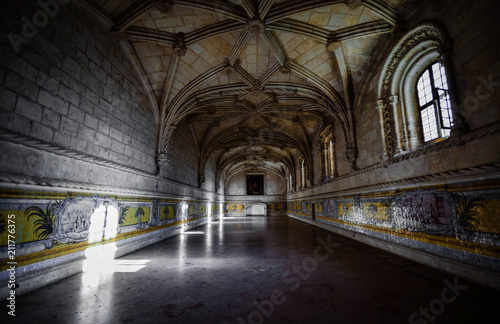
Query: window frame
[(397, 104), (436, 103)]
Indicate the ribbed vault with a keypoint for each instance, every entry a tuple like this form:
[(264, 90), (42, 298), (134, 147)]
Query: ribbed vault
[(255, 80)]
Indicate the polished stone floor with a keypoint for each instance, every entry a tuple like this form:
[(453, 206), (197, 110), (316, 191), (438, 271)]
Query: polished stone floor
[(260, 270)]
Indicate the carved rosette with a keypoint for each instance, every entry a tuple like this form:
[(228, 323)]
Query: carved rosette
[(164, 6), (255, 27), (179, 46)]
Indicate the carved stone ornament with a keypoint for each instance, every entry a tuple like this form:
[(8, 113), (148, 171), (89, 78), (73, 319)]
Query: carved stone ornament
[(179, 46), (387, 125), (333, 46), (425, 32), (255, 27), (333, 43), (164, 6)]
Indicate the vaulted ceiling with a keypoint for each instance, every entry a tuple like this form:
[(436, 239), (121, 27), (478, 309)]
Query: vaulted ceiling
[(254, 80)]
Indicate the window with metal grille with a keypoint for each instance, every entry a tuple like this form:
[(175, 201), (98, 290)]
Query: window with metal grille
[(434, 103)]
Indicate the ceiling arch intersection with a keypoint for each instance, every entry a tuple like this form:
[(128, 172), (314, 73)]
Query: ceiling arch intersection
[(237, 70)]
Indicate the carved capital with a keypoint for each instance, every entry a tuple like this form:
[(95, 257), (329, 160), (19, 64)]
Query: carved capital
[(393, 99), (162, 159), (381, 104)]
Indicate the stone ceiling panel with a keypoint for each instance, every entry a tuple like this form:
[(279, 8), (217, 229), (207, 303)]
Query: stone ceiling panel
[(257, 57), (335, 16), (180, 20), (359, 51), (156, 60)]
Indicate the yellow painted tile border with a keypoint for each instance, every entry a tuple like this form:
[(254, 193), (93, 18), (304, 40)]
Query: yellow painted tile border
[(66, 249), (445, 241)]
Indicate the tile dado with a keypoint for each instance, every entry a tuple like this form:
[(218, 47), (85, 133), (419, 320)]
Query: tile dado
[(54, 224), (462, 218)]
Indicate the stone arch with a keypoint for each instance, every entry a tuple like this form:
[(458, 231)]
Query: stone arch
[(255, 208), (397, 105)]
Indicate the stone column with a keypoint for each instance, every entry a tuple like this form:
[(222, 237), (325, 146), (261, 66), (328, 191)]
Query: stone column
[(385, 129), (398, 124)]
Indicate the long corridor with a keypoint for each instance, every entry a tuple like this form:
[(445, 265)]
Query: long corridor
[(260, 270)]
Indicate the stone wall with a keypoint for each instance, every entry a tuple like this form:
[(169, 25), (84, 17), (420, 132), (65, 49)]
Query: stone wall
[(237, 199), (77, 136), (364, 203), (71, 87)]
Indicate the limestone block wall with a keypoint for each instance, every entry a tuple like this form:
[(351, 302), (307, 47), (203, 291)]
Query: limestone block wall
[(71, 86), (183, 156), (77, 162), (436, 204)]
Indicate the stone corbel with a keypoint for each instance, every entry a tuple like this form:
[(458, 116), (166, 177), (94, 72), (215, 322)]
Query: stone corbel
[(162, 161), (201, 180), (333, 43), (350, 156)]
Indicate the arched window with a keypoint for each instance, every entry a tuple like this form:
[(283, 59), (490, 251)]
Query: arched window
[(331, 159), (302, 172), (415, 104), (434, 103), (327, 154)]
